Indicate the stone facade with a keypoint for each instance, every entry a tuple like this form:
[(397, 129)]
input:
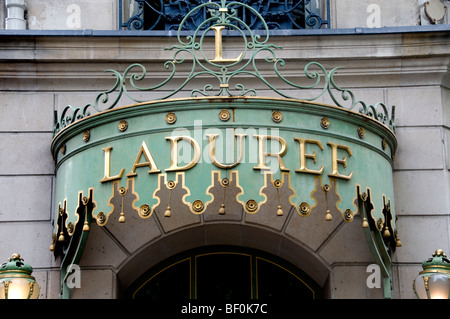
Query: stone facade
[(390, 53)]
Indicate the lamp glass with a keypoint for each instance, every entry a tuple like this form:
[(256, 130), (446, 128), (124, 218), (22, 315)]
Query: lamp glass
[(419, 285), (439, 286), (19, 288), (2, 289)]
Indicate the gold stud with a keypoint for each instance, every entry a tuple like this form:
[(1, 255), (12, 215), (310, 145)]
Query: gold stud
[(86, 135), (277, 117), (224, 115), (197, 206), (123, 125), (325, 122), (304, 208), (361, 132), (171, 118), (251, 205), (144, 210)]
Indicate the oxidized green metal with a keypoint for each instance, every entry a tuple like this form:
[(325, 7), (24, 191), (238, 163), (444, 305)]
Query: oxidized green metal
[(207, 154), (83, 163), (181, 156)]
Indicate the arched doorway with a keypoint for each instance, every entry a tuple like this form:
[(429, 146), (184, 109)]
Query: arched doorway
[(223, 273)]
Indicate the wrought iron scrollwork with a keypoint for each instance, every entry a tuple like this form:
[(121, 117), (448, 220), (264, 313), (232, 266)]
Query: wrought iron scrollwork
[(224, 72)]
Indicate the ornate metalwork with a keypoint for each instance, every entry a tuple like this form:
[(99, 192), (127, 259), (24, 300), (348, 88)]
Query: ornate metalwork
[(251, 205), (224, 71), (224, 115), (171, 118), (123, 125), (277, 116), (325, 122), (278, 14)]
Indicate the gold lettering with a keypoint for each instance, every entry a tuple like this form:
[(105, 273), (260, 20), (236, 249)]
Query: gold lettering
[(150, 162), (108, 177), (174, 153), (335, 161), (218, 57), (212, 150), (303, 156), (262, 154)]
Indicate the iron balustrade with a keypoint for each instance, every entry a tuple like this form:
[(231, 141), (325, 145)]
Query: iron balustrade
[(157, 15)]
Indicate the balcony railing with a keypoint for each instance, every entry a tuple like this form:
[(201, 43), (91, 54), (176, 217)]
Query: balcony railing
[(278, 14)]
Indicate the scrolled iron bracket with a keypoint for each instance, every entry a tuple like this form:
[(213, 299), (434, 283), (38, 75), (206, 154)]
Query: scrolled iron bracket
[(223, 16)]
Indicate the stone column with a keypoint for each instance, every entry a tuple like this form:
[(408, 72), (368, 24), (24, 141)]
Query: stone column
[(15, 15)]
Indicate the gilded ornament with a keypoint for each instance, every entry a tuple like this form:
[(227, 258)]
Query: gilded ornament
[(101, 218), (144, 210), (225, 182), (383, 144), (70, 228), (123, 125), (279, 211), (326, 188), (361, 132), (86, 135), (348, 215), (380, 224), (171, 184), (222, 209), (122, 191), (251, 205), (325, 122), (86, 226), (52, 245), (63, 149), (386, 232), (328, 216), (365, 223), (277, 116), (277, 183), (363, 196), (197, 206), (224, 115), (168, 211), (84, 200), (171, 118), (304, 208)]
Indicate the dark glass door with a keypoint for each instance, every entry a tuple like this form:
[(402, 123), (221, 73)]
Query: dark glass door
[(223, 273)]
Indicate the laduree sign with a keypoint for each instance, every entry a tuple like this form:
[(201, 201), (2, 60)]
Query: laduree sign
[(146, 157), (229, 152)]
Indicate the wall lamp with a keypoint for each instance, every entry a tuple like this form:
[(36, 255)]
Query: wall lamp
[(434, 281), (16, 281)]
